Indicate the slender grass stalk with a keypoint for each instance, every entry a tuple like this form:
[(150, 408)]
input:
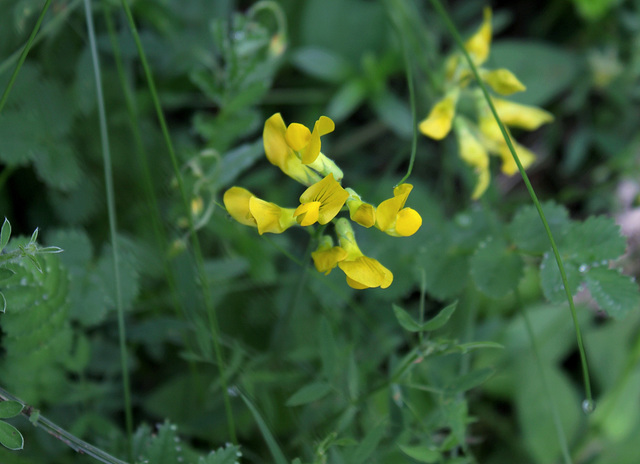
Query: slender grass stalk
[(147, 182), (397, 22), (562, 439), (23, 55), (213, 321), (111, 207), (73, 442), (583, 357)]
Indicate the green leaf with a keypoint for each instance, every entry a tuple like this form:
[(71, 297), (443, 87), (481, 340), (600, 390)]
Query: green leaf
[(495, 268), (226, 455), (615, 293), (6, 273), (408, 323), (446, 268), (593, 10), (405, 319), (5, 234), (3, 303), (322, 64), (274, 448), (551, 282), (421, 453), (347, 99), (367, 447), (395, 113), (593, 242), (10, 437), (526, 58), (10, 409), (239, 160), (309, 393), (470, 380), (527, 231), (441, 318)]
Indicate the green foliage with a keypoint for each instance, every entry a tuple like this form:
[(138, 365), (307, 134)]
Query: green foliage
[(10, 437)]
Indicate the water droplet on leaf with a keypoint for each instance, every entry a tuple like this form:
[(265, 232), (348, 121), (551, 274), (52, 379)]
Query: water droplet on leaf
[(588, 406)]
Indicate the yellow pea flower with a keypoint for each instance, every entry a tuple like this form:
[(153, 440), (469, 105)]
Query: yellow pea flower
[(438, 123), (359, 211), (509, 166), (393, 218), (321, 202), (479, 43), (280, 154), (361, 271), (502, 81), (327, 256), (247, 209), (475, 155), (305, 142), (522, 116)]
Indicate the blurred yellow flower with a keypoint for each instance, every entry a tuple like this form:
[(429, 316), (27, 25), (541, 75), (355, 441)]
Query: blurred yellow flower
[(475, 155), (321, 202), (250, 210), (479, 43), (393, 218), (361, 271), (438, 123)]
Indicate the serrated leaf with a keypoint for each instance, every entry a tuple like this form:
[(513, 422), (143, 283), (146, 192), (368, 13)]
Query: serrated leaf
[(551, 282), (10, 409), (322, 64), (5, 234), (10, 437), (615, 293), (309, 393), (227, 455), (495, 268), (421, 453), (527, 231), (593, 241), (446, 268)]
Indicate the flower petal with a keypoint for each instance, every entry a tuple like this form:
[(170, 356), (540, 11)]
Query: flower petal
[(236, 201), (479, 44), (503, 81), (365, 272), (297, 136), (438, 124), (270, 217), (307, 213), (509, 166), (408, 222), (331, 196), (484, 177), (326, 259), (523, 116)]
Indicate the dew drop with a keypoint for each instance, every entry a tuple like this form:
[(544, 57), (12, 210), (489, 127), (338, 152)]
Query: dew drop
[(583, 268), (588, 406)]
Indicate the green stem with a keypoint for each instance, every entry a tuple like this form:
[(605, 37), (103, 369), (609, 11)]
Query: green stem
[(73, 442), (583, 357), (111, 207), (213, 321), (23, 55), (412, 93), (562, 439)]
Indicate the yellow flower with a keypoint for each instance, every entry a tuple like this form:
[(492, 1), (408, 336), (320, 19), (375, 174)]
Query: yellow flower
[(479, 44), (438, 124), (361, 271), (305, 142), (280, 154), (509, 166), (475, 155), (327, 256), (522, 116), (393, 218), (502, 81), (250, 210), (321, 202), (359, 211)]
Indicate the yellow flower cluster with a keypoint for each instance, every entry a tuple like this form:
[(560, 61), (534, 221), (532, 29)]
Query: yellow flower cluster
[(296, 151), (477, 140)]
